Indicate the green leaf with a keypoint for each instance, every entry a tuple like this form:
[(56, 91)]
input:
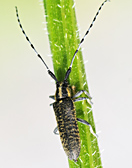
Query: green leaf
[(64, 40)]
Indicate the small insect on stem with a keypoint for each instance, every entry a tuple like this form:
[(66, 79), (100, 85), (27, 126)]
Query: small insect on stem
[(63, 106)]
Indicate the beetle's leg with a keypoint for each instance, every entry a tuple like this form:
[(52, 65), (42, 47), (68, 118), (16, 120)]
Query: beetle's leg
[(51, 104), (87, 123), (81, 99), (52, 97), (55, 131), (80, 92), (75, 160)]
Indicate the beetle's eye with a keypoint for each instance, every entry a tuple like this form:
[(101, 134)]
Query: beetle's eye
[(57, 84)]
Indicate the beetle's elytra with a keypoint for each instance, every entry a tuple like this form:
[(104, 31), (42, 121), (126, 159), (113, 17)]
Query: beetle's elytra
[(68, 128), (64, 107)]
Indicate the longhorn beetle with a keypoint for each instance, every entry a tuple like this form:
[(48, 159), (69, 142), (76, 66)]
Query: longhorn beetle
[(64, 103)]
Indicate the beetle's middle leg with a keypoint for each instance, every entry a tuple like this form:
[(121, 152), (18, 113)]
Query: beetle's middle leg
[(83, 122), (82, 98), (55, 131), (87, 123)]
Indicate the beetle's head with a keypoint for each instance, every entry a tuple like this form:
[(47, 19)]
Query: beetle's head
[(63, 90)]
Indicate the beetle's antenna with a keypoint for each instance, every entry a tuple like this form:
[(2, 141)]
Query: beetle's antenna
[(50, 73), (87, 32), (28, 39)]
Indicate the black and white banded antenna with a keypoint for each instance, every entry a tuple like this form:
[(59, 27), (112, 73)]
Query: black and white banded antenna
[(49, 72), (87, 32), (69, 69)]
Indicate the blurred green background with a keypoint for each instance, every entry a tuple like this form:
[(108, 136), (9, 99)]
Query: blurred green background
[(26, 119)]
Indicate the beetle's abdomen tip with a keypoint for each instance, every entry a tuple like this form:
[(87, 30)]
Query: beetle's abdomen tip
[(73, 155)]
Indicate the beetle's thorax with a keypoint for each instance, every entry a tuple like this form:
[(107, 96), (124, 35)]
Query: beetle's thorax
[(63, 90)]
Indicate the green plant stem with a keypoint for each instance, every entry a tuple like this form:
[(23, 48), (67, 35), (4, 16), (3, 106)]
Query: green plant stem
[(64, 40)]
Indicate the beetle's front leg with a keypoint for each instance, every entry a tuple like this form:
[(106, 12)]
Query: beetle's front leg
[(81, 92), (52, 97), (82, 98)]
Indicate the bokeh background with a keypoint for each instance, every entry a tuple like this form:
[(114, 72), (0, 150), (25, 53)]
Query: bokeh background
[(26, 119)]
